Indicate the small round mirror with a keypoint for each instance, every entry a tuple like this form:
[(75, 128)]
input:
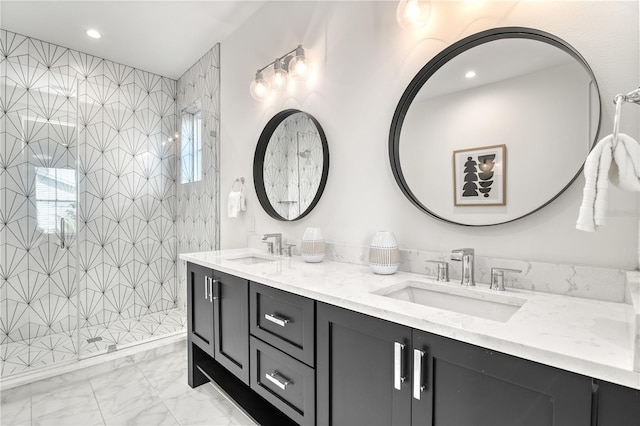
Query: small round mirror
[(291, 165)]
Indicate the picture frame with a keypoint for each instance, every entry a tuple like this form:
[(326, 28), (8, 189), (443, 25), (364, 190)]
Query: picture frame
[(479, 176)]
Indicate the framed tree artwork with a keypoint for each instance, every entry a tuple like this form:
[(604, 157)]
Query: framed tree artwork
[(479, 176)]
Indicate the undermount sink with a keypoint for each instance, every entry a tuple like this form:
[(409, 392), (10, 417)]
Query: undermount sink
[(251, 259), (491, 306)]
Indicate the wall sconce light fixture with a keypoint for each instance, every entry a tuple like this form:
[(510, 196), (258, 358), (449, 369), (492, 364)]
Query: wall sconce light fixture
[(292, 64), (413, 15)]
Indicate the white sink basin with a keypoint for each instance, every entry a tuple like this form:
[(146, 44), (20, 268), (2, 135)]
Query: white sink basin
[(251, 259), (491, 306)]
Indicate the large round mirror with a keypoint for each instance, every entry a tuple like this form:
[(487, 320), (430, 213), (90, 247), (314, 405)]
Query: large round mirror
[(494, 127), (291, 165)]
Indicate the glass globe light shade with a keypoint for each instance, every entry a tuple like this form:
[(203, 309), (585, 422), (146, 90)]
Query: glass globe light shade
[(413, 15), (259, 87), (280, 76), (300, 66)]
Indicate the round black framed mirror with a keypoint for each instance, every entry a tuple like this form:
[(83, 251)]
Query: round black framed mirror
[(291, 165), (494, 127)]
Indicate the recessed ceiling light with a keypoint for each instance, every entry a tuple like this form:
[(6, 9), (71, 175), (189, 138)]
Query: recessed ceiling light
[(470, 74), (93, 34)]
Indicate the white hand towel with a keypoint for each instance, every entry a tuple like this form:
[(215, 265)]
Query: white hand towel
[(598, 170), (233, 206), (625, 170)]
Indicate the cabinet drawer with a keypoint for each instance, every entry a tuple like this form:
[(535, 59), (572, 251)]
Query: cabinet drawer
[(284, 320), (285, 382)]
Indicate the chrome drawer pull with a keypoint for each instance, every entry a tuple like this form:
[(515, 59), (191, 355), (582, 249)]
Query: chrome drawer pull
[(211, 290), (277, 319), (278, 379), (206, 287), (418, 387), (398, 378)]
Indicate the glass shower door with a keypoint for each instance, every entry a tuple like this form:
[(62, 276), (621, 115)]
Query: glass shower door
[(38, 206)]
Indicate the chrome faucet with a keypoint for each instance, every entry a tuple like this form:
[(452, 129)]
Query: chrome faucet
[(466, 256), (277, 242), (497, 278)]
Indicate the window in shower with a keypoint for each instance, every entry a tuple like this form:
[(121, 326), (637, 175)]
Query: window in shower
[(191, 139), (55, 198)]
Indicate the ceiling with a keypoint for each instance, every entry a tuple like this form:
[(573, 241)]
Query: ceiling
[(162, 37), (495, 61)]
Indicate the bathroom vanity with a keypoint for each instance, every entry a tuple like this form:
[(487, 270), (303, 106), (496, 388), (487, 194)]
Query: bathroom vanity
[(332, 343)]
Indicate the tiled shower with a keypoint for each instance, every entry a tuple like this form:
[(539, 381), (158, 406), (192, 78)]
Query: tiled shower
[(89, 183)]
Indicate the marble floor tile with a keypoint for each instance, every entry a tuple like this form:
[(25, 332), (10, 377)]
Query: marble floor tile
[(205, 406), (166, 373), (152, 392), (122, 390), (74, 402), (15, 406), (156, 414), (64, 416)]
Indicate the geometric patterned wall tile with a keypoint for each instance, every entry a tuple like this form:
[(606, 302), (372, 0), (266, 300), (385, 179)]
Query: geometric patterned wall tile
[(126, 176), (198, 205)]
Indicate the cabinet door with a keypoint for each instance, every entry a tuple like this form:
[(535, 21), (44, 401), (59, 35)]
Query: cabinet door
[(231, 297), (618, 405), (470, 385), (357, 379), (200, 306)]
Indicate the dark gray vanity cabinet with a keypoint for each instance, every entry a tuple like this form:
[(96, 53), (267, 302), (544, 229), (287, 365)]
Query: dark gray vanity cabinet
[(282, 344), (455, 383), (231, 323), (617, 405), (362, 369), (372, 372), (289, 359), (200, 307), (218, 317)]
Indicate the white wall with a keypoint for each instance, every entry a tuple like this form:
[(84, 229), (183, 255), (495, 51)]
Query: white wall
[(363, 63)]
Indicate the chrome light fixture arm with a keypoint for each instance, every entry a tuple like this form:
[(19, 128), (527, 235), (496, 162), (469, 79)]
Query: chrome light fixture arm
[(294, 63)]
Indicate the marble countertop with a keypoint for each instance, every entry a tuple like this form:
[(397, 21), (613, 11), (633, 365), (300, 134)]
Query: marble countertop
[(589, 337)]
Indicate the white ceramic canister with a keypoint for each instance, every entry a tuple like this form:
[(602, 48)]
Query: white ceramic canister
[(384, 255), (312, 249)]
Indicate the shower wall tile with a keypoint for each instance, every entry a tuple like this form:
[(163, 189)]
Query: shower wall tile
[(198, 209), (112, 122)]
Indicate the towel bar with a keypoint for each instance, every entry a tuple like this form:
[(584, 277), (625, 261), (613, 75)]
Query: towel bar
[(240, 179)]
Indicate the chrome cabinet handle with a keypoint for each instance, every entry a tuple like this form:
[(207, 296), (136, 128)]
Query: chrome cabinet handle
[(398, 378), (206, 287), (418, 387), (282, 321), (62, 236), (278, 379), (213, 293)]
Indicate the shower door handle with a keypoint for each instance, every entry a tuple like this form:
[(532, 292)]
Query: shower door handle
[(62, 236)]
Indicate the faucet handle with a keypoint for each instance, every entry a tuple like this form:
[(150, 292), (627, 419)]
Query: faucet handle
[(286, 249), (497, 278), (269, 246), (443, 270)]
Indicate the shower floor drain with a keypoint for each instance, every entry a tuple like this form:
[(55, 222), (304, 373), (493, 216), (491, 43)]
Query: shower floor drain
[(94, 339)]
